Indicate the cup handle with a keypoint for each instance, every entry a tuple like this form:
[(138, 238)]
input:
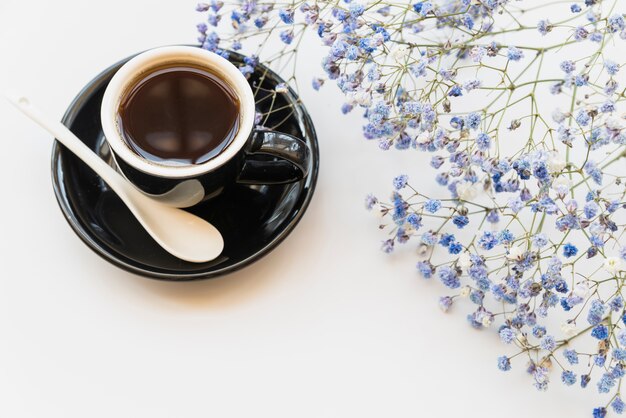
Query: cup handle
[(274, 158)]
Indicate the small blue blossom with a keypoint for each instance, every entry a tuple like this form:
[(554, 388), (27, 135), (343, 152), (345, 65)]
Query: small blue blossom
[(432, 206), (571, 356), (286, 36), (387, 246), (455, 248), (445, 303), (473, 120), (286, 15), (544, 26), (568, 66), (540, 240), (600, 332), (446, 240), (618, 405), (507, 335), (460, 221), (426, 269), (611, 67), (400, 182), (569, 250), (539, 331), (599, 412), (488, 240), (548, 343), (455, 91), (414, 220), (596, 312), (449, 277), (514, 53), (483, 141), (504, 363), (568, 377), (575, 8)]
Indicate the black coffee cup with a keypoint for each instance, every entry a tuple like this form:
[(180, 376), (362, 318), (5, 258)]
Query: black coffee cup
[(253, 156)]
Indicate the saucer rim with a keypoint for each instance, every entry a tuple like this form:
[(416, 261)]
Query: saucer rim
[(58, 186)]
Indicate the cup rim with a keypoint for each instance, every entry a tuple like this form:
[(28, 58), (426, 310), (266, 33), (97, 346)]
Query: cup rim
[(147, 61)]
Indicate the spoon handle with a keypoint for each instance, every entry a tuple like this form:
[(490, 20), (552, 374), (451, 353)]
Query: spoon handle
[(67, 138)]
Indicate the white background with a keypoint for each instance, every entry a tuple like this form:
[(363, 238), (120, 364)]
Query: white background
[(324, 326)]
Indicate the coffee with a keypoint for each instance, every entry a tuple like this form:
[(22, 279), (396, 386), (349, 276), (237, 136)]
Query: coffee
[(179, 115)]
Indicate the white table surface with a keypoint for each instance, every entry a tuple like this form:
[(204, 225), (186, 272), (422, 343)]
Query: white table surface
[(324, 326)]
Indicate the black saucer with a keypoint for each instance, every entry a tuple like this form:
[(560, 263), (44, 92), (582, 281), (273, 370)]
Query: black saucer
[(252, 219)]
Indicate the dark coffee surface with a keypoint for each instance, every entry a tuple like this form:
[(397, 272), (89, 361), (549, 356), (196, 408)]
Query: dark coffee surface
[(179, 116)]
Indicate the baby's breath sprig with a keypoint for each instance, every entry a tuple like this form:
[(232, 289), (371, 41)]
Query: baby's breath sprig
[(524, 119)]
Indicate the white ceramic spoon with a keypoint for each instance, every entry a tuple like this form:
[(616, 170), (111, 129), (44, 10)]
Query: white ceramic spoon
[(180, 233)]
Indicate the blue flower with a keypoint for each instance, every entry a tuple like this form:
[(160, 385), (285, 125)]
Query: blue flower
[(202, 7), (429, 238), (594, 171), (286, 36), (611, 67), (584, 380), (569, 250), (400, 181), (539, 331), (580, 33), (387, 246), (548, 343), (568, 66), (506, 236), (596, 312), (455, 248), (493, 216), (286, 15), (618, 405), (473, 120), (568, 377), (591, 209), (426, 269), (616, 23), (483, 141), (544, 26), (600, 332), (432, 206), (455, 91), (460, 221), (346, 108), (540, 240), (352, 53), (575, 8), (599, 412), (514, 53), (414, 220), (356, 9), (507, 335), (488, 240), (571, 356), (370, 201), (449, 277), (504, 363), (446, 239), (606, 383), (583, 118), (445, 302)]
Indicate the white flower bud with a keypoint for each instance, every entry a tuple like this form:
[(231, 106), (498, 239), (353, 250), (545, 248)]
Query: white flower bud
[(612, 264), (581, 289), (569, 330)]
